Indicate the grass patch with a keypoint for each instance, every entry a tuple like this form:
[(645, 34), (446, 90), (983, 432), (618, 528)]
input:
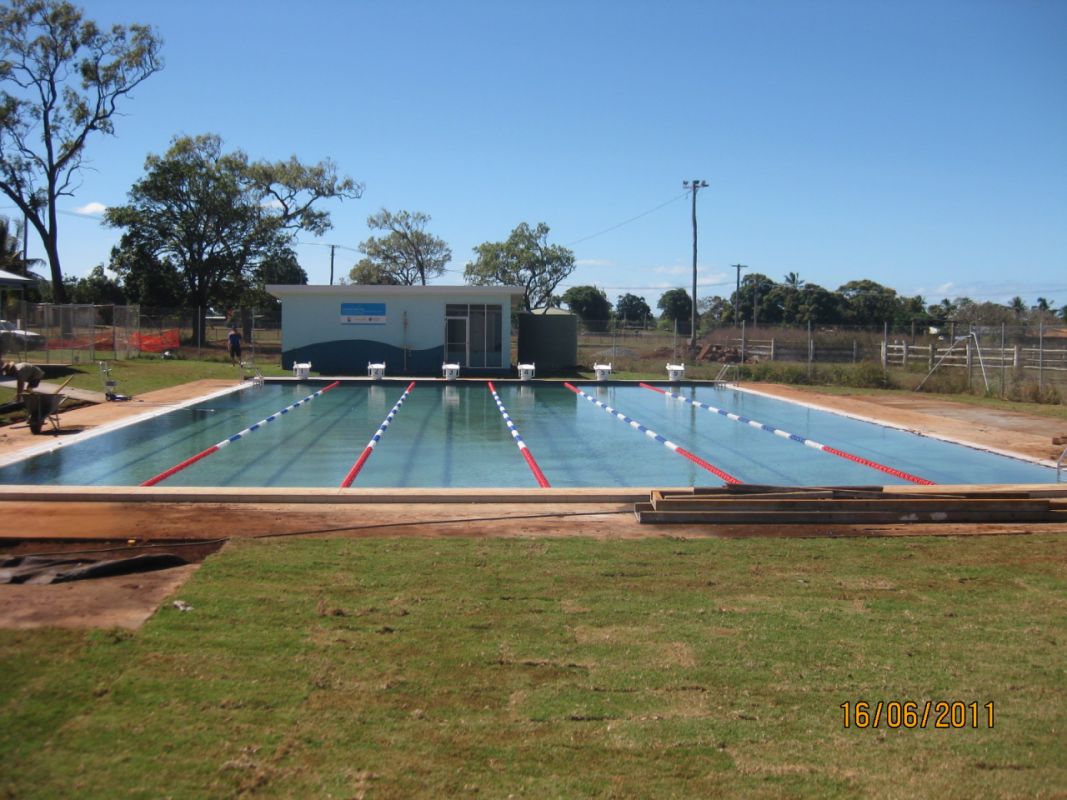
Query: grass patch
[(653, 668)]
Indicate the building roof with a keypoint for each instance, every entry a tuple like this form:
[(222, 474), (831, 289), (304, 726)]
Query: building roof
[(9, 280), (285, 290)]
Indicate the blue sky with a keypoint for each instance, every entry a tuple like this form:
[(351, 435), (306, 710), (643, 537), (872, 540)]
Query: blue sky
[(919, 144)]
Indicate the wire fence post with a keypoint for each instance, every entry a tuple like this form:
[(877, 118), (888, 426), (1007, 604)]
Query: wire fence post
[(811, 349), (1041, 356), (885, 348), (1003, 388)]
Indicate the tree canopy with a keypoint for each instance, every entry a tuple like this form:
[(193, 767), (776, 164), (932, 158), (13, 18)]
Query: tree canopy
[(589, 303), (62, 78), (631, 308), (405, 255), (212, 217), (525, 259), (677, 306)]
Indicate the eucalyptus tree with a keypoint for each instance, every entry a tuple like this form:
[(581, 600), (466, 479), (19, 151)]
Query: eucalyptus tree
[(525, 259), (213, 217), (62, 79), (406, 254)]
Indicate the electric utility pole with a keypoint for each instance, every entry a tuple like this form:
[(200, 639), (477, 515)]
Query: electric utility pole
[(737, 293), (333, 247), (695, 186)]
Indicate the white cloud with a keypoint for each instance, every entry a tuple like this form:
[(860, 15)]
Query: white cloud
[(594, 262), (91, 209)]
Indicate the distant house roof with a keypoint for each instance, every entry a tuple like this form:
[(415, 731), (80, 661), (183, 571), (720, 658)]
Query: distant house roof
[(9, 280), (551, 311)]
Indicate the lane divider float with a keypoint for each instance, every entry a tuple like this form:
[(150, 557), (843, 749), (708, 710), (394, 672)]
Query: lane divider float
[(230, 440), (542, 481), (377, 437), (795, 438), (726, 476)]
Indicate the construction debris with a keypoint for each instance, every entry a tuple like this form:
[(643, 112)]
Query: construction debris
[(744, 504)]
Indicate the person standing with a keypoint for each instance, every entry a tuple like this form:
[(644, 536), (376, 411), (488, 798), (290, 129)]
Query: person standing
[(235, 345)]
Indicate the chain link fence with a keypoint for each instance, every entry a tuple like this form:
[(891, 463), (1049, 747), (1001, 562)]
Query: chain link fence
[(1024, 362), (70, 334)]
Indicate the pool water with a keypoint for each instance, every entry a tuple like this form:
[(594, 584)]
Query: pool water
[(455, 436)]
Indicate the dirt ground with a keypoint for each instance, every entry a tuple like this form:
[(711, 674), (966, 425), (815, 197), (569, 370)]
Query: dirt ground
[(28, 524)]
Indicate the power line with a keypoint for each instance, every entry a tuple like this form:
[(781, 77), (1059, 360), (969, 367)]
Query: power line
[(628, 221)]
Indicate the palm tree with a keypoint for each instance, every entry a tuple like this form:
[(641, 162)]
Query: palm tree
[(11, 258), (792, 280), (1018, 307), (1043, 304)]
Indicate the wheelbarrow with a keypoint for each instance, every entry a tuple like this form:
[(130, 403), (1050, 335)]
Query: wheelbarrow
[(42, 408)]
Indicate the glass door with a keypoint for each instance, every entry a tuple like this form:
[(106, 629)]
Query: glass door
[(456, 341)]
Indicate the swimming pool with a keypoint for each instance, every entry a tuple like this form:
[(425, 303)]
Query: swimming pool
[(456, 435)]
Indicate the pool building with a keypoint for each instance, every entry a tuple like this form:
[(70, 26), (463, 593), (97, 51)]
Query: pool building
[(412, 329)]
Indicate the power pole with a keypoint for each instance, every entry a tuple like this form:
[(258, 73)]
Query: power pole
[(332, 248), (695, 186), (737, 292)]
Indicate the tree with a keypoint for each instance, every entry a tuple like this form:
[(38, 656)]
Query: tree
[(676, 307), (526, 259), (63, 79), (591, 304), (368, 273), (1018, 307), (406, 254), (714, 311), (280, 267), (868, 303), (148, 280), (631, 308), (215, 216), (818, 306), (755, 302), (98, 289)]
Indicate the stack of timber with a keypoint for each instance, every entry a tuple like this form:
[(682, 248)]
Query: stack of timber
[(747, 504)]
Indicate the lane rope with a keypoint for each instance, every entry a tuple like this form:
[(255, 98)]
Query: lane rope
[(726, 476), (542, 481), (231, 439), (795, 438), (377, 437)]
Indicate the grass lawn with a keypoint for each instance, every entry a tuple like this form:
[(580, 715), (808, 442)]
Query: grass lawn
[(558, 668)]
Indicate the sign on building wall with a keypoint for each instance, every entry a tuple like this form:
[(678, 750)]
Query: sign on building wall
[(362, 313)]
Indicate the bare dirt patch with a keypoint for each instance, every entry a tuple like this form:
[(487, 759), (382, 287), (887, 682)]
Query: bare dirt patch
[(120, 601)]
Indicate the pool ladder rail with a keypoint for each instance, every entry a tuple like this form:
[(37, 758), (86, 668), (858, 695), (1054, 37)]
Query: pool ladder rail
[(252, 373), (1059, 464)]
